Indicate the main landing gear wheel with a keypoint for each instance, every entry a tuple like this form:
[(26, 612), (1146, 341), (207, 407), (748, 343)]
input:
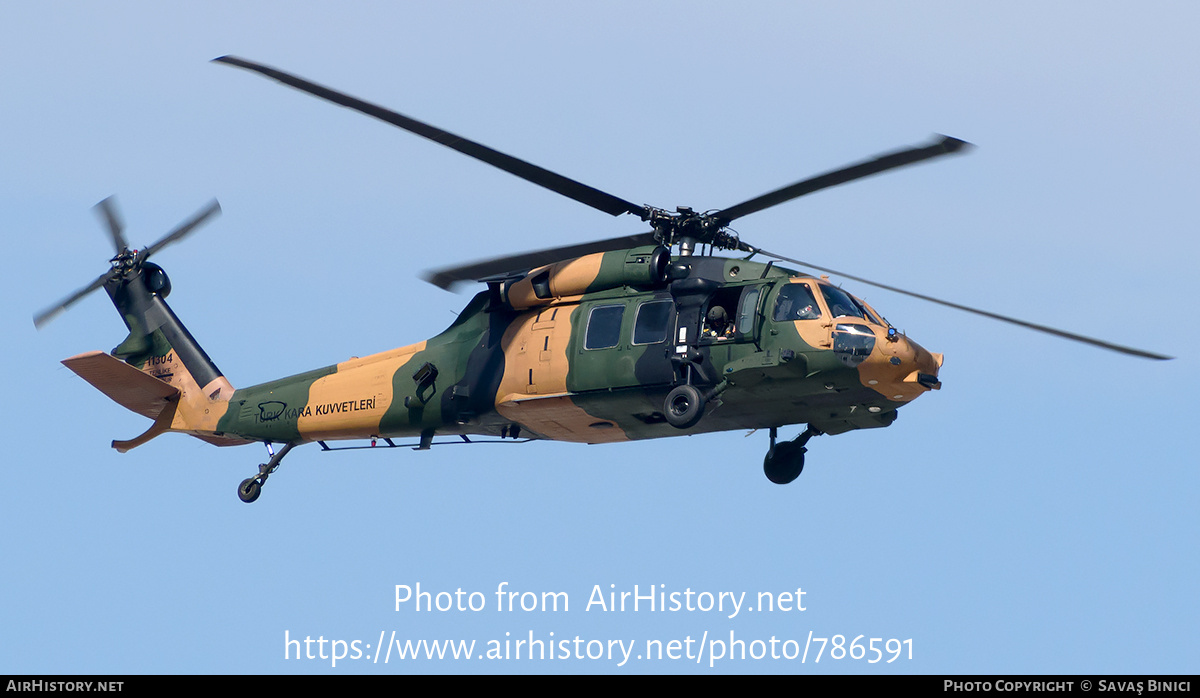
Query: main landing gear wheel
[(249, 490), (684, 406), (785, 460)]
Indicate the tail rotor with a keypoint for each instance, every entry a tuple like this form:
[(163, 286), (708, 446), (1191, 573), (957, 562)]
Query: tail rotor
[(126, 264)]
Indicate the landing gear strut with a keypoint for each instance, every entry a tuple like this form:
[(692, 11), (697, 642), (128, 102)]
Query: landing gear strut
[(251, 487), (785, 460)]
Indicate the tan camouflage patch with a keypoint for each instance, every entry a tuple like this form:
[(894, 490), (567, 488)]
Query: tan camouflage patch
[(350, 402)]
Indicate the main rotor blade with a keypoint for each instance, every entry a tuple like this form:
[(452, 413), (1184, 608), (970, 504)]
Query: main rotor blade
[(49, 313), (570, 188), (447, 278), (944, 145), (108, 211), (1003, 318), (183, 229)]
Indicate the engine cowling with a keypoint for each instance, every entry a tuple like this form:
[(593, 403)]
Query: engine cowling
[(642, 267)]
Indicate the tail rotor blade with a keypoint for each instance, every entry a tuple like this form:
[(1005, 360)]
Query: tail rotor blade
[(183, 229), (49, 313), (108, 211)]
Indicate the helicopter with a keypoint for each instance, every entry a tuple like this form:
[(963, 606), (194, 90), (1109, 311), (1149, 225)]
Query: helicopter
[(636, 337)]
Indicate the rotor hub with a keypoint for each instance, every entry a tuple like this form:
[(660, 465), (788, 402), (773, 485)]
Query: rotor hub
[(688, 229)]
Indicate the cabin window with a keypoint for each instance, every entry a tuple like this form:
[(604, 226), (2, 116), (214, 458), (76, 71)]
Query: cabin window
[(604, 327), (795, 302), (652, 325)]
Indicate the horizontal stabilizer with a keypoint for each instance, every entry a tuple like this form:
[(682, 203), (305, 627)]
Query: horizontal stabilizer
[(126, 385)]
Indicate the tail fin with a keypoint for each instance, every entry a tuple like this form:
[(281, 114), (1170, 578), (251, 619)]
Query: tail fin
[(165, 375), (158, 343), (159, 371)]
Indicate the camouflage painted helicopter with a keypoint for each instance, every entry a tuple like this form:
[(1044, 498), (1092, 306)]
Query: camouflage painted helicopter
[(614, 340)]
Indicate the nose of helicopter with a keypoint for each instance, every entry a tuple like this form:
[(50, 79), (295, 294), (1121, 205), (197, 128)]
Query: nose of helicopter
[(900, 369)]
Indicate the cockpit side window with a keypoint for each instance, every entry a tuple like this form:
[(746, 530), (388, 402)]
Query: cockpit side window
[(795, 302), (748, 311)]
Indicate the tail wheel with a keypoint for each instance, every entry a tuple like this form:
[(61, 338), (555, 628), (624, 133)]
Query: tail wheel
[(249, 490), (684, 406)]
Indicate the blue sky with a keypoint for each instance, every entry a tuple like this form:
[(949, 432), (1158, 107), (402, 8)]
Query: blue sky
[(1037, 515)]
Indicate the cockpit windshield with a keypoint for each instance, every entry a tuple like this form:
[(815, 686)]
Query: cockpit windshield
[(842, 304)]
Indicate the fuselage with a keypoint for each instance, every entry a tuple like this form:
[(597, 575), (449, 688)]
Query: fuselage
[(595, 366)]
